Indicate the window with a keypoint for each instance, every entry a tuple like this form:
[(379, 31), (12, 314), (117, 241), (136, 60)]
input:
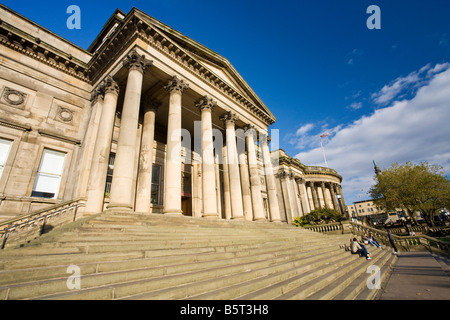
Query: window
[(48, 177), (109, 174), (5, 147), (155, 197)]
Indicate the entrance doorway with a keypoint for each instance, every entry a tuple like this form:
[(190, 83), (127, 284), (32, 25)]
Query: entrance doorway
[(186, 190)]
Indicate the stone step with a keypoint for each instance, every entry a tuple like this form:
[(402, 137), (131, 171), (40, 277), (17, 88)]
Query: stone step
[(303, 289), (358, 289), (190, 282), (94, 264), (135, 256), (232, 290), (353, 280)]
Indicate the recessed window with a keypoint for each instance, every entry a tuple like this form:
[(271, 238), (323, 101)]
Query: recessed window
[(49, 174), (156, 185), (5, 147)]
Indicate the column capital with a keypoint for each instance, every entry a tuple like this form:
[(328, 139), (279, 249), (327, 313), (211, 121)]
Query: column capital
[(176, 84), (97, 94), (229, 117), (110, 86), (300, 179), (249, 127), (135, 61), (206, 102), (283, 174)]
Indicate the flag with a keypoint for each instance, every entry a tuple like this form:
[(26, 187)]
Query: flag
[(324, 135)]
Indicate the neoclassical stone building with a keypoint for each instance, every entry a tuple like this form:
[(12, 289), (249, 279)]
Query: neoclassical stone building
[(145, 119)]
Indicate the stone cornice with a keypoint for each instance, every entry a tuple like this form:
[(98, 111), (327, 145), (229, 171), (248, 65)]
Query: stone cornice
[(21, 42), (308, 170), (58, 136)]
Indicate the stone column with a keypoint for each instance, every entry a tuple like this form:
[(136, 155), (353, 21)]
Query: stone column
[(333, 197), (315, 197), (226, 185), (237, 210), (324, 192), (172, 169), (284, 176), (303, 196), (122, 182), (341, 200), (255, 180), (270, 179), (100, 157), (206, 105), (144, 182), (293, 195), (245, 180)]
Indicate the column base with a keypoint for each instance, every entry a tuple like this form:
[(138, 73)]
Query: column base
[(211, 216), (276, 221), (237, 218), (173, 212), (118, 206)]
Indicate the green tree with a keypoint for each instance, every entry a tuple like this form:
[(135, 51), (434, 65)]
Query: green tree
[(421, 188), (318, 216)]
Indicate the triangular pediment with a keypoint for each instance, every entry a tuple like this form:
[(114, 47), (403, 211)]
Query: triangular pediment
[(210, 60)]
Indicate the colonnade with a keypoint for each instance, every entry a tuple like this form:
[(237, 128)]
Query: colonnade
[(242, 180), (301, 196)]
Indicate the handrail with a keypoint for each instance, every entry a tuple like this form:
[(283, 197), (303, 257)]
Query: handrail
[(406, 242), (32, 219)]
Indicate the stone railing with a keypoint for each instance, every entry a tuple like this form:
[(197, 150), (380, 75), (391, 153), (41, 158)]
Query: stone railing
[(336, 227), (29, 226), (406, 243)]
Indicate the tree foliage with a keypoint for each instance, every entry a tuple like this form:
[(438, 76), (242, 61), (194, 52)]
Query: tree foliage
[(318, 216), (422, 188)]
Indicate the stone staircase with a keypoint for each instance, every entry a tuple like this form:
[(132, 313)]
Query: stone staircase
[(135, 256)]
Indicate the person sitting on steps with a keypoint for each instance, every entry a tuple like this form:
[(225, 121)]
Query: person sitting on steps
[(356, 248), (372, 240)]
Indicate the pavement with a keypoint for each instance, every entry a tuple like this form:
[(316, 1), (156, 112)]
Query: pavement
[(418, 276)]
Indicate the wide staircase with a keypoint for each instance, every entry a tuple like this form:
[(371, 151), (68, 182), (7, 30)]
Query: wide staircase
[(120, 255)]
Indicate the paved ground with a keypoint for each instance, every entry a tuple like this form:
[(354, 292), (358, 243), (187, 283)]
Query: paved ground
[(418, 276)]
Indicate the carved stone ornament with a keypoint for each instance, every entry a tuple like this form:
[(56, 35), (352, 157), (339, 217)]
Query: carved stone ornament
[(110, 85), (64, 114), (206, 103), (135, 61), (229, 117), (14, 97), (177, 85)]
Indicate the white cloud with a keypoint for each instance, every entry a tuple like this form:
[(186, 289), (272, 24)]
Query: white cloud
[(408, 130), (304, 129), (355, 106)]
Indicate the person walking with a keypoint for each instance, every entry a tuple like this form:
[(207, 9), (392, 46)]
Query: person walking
[(391, 240)]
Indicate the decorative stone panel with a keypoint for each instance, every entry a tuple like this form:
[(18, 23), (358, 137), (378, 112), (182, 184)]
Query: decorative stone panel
[(14, 98)]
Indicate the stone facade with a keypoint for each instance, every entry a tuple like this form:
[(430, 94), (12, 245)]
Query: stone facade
[(147, 120)]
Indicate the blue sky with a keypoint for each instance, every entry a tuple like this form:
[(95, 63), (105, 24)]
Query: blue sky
[(382, 94)]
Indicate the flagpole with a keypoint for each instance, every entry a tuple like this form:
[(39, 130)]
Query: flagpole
[(323, 151)]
